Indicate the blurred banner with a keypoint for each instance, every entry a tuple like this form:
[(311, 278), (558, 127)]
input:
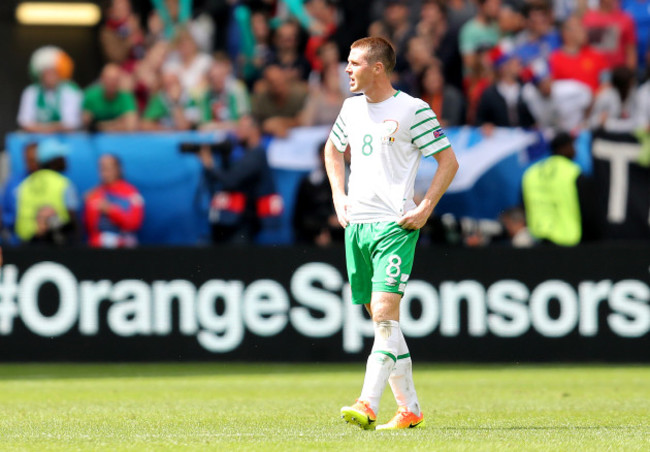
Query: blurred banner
[(622, 185), (292, 304)]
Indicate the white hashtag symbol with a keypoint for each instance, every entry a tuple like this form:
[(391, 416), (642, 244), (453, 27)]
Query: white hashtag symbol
[(8, 296)]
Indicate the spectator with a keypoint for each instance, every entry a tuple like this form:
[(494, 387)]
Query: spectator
[(10, 192), (314, 218), (244, 194), (329, 56), (643, 105), (612, 32), (172, 108), (511, 18), (501, 103), (188, 62), (460, 12), (576, 60), (52, 104), (114, 210), (278, 103), (324, 102), (558, 105), (254, 50), (286, 52), (639, 10), (419, 56), (557, 197), (47, 201), (398, 28), (226, 99), (169, 16), (514, 224), (443, 98), (540, 37), (107, 107), (480, 32), (121, 36), (478, 78), (435, 27), (617, 107), (324, 15), (146, 76), (563, 9)]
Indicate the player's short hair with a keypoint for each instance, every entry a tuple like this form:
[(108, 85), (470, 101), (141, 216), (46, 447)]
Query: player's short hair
[(377, 50)]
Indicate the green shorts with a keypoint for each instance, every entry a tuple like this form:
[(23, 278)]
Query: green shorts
[(379, 258)]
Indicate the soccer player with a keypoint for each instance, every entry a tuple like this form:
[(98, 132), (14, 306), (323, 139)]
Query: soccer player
[(388, 132)]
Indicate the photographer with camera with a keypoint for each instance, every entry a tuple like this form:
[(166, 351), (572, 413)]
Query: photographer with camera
[(243, 193)]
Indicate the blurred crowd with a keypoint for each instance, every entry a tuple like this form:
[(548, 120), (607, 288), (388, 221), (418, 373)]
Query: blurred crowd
[(263, 67)]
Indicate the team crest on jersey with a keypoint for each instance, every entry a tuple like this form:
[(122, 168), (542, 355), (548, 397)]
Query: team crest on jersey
[(389, 127)]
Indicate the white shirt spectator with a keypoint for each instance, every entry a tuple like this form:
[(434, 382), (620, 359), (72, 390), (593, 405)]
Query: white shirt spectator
[(564, 110), (66, 100), (193, 75), (622, 117)]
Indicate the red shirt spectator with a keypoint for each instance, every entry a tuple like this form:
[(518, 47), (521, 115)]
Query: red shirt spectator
[(585, 66), (612, 32), (576, 60), (114, 210)]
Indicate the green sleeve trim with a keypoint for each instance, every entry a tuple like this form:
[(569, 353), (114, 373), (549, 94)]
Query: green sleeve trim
[(341, 119), (439, 150), (342, 131), (431, 142), (407, 355), (390, 355), (423, 109), (424, 133), (422, 122), (340, 143)]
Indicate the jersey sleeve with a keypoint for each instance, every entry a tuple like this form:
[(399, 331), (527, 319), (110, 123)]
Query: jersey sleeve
[(426, 133), (339, 132)]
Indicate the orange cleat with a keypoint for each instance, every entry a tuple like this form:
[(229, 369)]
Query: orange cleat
[(403, 419), (359, 414)]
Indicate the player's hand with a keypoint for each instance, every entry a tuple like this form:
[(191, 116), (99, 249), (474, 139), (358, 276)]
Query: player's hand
[(341, 205), (415, 219)]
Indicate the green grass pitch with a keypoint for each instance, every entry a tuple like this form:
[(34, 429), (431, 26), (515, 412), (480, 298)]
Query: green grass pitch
[(296, 407)]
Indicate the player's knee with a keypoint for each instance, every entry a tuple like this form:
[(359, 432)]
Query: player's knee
[(385, 308)]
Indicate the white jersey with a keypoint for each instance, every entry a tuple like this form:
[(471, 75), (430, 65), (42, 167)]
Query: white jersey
[(387, 140)]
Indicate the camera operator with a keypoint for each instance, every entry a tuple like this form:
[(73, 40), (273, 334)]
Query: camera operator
[(244, 200)]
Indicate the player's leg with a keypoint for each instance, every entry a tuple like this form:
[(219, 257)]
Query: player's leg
[(401, 383), (392, 272), (359, 268), (385, 310)]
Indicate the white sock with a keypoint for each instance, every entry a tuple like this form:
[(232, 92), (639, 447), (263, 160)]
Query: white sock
[(380, 362), (401, 379)]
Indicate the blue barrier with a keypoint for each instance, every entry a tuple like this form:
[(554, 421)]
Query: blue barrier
[(176, 201)]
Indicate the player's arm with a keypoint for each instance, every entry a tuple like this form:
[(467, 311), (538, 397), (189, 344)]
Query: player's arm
[(335, 167), (447, 167)]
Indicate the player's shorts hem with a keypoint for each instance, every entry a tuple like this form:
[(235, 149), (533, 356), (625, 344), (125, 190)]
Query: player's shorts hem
[(381, 287)]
